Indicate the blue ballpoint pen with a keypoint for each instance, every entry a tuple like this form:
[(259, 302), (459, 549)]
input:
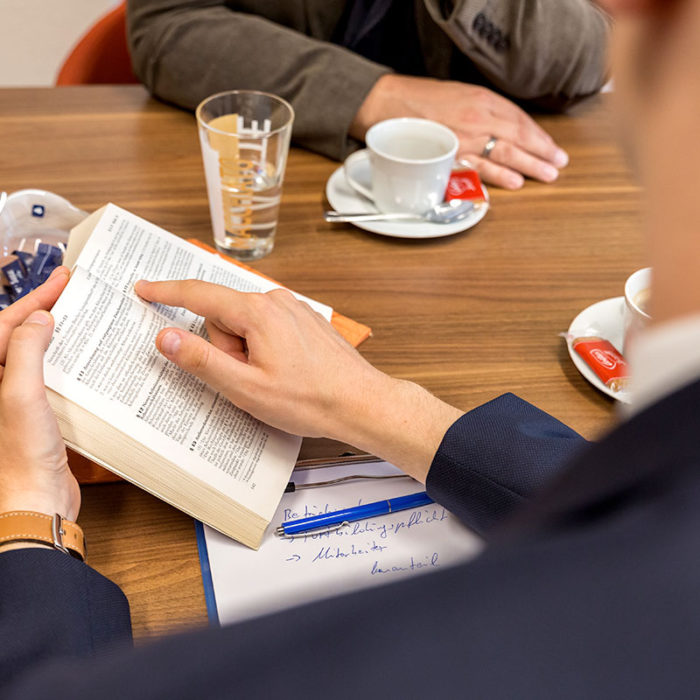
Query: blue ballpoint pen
[(340, 517)]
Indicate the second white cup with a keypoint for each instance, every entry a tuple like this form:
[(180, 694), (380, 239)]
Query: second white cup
[(410, 162), (637, 296)]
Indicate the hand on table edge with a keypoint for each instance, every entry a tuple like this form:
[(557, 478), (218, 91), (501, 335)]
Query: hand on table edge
[(277, 359), (34, 472), (475, 114)]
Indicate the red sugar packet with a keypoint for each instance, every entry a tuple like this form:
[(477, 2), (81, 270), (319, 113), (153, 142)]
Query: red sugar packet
[(603, 358), (464, 183)]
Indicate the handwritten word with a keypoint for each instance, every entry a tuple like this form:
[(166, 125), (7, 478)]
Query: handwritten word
[(382, 528), (338, 553), (309, 511), (429, 561), (417, 517)]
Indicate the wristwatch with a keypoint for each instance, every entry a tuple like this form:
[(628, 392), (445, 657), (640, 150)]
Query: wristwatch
[(55, 530)]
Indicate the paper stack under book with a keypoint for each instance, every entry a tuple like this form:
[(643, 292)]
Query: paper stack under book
[(122, 405)]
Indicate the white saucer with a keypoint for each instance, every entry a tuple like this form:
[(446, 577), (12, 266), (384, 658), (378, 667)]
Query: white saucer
[(343, 198), (604, 318)]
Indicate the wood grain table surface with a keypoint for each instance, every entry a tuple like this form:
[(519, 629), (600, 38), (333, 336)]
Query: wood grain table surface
[(469, 316)]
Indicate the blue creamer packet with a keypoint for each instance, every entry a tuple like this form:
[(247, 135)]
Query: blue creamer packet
[(17, 283), (46, 260), (26, 259), (5, 301)]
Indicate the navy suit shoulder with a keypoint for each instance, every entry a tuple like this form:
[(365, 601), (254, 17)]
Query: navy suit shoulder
[(52, 605), (496, 457), (597, 600)]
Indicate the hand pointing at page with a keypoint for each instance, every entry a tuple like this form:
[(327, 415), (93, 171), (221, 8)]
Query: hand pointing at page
[(276, 358)]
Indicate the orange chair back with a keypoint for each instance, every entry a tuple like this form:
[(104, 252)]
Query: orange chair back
[(102, 55)]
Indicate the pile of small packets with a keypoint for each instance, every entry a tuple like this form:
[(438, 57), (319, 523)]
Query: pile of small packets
[(22, 271)]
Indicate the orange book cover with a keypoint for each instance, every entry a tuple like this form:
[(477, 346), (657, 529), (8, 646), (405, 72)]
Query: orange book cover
[(87, 472), (352, 331)]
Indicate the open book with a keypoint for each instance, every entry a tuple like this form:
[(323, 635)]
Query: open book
[(122, 405)]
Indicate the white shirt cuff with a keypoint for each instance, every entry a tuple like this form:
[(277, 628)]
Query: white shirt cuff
[(663, 359)]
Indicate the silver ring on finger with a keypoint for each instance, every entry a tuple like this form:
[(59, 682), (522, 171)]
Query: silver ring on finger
[(486, 153)]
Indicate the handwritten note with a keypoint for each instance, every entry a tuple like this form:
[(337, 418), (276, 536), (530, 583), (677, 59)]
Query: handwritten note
[(289, 572)]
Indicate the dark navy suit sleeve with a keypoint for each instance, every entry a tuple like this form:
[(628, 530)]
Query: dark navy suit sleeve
[(53, 606), (495, 458), (55, 612), (599, 601)]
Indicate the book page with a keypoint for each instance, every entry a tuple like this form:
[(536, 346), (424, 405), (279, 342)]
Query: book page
[(124, 248), (102, 356), (285, 572)]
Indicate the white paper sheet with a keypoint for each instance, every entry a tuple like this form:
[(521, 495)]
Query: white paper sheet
[(285, 573)]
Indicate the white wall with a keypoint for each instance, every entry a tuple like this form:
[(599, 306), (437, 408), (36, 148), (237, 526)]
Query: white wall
[(36, 35)]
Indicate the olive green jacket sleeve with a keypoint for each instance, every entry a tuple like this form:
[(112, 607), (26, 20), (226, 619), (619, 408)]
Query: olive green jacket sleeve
[(184, 50), (550, 53)]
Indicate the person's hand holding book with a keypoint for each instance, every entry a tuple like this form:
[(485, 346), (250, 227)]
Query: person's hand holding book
[(279, 360), (34, 473)]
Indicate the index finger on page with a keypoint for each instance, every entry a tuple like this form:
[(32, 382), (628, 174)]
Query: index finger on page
[(202, 298)]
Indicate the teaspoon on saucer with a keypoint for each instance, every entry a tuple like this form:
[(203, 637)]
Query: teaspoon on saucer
[(443, 213)]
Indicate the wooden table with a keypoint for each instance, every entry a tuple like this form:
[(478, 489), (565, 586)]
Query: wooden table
[(468, 316)]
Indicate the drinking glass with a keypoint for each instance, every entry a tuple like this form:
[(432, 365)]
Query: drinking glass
[(244, 136)]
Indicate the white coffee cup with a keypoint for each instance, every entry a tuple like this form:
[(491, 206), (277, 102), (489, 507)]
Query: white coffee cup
[(410, 161), (637, 296)]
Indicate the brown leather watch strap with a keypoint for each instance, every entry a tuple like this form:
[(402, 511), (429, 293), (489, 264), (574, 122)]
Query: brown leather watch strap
[(29, 526)]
